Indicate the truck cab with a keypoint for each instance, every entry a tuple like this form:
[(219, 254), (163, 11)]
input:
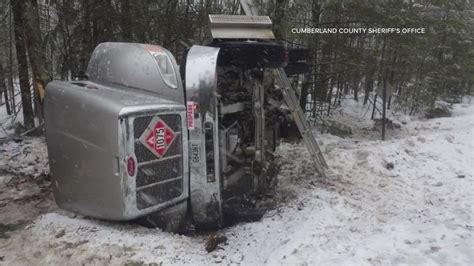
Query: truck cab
[(137, 140)]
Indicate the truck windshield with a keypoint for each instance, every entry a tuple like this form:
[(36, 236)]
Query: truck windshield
[(166, 69)]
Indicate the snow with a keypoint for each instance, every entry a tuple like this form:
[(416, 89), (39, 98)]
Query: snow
[(7, 122), (27, 157), (406, 200)]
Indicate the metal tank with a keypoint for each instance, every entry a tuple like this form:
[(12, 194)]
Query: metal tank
[(117, 143)]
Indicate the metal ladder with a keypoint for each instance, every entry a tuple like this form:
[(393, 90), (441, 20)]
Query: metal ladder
[(292, 101)]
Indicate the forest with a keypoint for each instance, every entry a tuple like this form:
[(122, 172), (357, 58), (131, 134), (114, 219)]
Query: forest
[(45, 40)]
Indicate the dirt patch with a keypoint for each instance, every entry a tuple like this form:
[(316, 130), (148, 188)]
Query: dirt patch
[(23, 199), (6, 228)]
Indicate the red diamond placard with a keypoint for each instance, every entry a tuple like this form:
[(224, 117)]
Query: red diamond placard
[(157, 137)]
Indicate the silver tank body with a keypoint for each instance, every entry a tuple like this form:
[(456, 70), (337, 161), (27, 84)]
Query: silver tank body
[(94, 127)]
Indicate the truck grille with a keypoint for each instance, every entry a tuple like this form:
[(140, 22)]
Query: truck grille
[(160, 174)]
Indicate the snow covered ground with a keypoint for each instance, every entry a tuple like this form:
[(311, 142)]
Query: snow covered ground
[(8, 122), (406, 200)]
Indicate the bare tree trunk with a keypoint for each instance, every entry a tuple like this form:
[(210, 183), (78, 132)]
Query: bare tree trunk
[(10, 61), (384, 103), (86, 38), (369, 86), (369, 74), (339, 90), (392, 80), (356, 93), (279, 18), (126, 20), (313, 49), (66, 64), (36, 54), (386, 77), (380, 77), (373, 109), (329, 96), (357, 79), (28, 116), (3, 89), (304, 95), (12, 91)]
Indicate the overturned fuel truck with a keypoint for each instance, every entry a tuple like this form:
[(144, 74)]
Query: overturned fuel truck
[(144, 139)]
